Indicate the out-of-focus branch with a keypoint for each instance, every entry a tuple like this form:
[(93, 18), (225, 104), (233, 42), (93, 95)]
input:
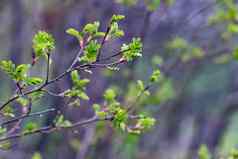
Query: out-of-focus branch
[(28, 116)]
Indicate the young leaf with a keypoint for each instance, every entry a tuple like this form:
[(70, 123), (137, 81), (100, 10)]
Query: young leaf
[(21, 71), (8, 67), (36, 155), (61, 122), (117, 18), (155, 76), (75, 33), (30, 126), (91, 28), (132, 50), (74, 76), (43, 43), (91, 51), (33, 80), (109, 95), (115, 31), (145, 123), (153, 4)]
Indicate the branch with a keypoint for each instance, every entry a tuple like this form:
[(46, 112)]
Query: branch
[(49, 129), (47, 69), (27, 116), (103, 41)]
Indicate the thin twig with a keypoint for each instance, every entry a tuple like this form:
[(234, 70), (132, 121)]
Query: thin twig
[(52, 128), (47, 69), (103, 41), (27, 116)]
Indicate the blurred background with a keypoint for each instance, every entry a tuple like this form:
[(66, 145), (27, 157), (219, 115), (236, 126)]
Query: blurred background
[(192, 42)]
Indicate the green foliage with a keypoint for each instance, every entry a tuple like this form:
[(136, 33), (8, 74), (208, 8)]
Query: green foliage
[(30, 127), (2, 130), (8, 111), (204, 153), (8, 67), (75, 33), (155, 76), (30, 89), (19, 73), (78, 89), (43, 44), (117, 18), (233, 154), (110, 95), (120, 118), (115, 31), (36, 155), (91, 28), (33, 81), (127, 2), (184, 50), (235, 53), (132, 50), (23, 101), (145, 123), (90, 52), (60, 122), (5, 145), (152, 4), (100, 113)]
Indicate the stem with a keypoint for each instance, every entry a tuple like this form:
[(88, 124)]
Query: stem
[(49, 129), (27, 116), (47, 69), (103, 41)]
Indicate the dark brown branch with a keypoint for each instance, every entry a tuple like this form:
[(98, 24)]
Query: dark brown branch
[(103, 41), (47, 69)]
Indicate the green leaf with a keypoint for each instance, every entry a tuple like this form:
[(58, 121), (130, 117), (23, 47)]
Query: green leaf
[(120, 119), (36, 155), (75, 33), (91, 51), (43, 43), (140, 85), (61, 122), (203, 152), (115, 31), (21, 71), (2, 131), (155, 76), (132, 50), (33, 80), (80, 84), (109, 95), (116, 18), (153, 4), (36, 95), (8, 112), (91, 28), (83, 95), (235, 53), (96, 107), (30, 127), (5, 145), (146, 123), (23, 101), (233, 28), (8, 67), (74, 76)]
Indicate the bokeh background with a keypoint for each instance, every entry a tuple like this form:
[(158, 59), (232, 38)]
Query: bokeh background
[(192, 42)]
